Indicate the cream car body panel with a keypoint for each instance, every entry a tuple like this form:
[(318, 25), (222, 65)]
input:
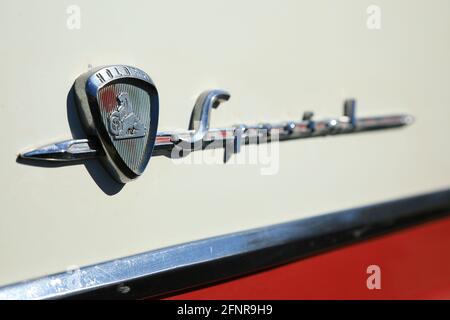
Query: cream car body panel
[(276, 58)]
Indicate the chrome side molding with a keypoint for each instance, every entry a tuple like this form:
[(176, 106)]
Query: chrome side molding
[(163, 271), (105, 104), (68, 150), (199, 136)]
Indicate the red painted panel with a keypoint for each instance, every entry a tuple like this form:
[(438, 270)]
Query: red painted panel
[(414, 264)]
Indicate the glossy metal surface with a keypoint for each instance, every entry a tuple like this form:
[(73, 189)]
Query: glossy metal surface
[(200, 136), (69, 150), (200, 116), (123, 122), (178, 267), (118, 106)]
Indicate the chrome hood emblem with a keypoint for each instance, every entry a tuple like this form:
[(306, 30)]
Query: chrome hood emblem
[(118, 106)]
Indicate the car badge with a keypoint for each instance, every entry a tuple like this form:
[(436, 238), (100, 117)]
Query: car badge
[(118, 107)]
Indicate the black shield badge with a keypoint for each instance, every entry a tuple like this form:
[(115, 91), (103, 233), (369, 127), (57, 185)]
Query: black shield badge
[(118, 105)]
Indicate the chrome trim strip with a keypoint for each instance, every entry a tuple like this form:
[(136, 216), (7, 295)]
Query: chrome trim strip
[(68, 150), (199, 136), (200, 262)]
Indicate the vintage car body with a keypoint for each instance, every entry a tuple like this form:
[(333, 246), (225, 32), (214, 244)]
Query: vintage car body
[(59, 223)]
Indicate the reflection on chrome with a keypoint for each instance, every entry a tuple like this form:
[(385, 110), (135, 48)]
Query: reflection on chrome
[(200, 136)]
